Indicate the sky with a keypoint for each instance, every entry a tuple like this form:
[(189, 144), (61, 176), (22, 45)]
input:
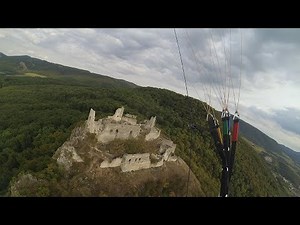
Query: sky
[(264, 63)]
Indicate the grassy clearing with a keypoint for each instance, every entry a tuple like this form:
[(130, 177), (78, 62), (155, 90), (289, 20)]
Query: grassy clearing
[(258, 149), (24, 75), (34, 75)]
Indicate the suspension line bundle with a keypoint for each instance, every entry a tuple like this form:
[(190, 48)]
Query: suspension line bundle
[(225, 142)]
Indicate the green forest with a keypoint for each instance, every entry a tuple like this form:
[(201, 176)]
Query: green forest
[(38, 114)]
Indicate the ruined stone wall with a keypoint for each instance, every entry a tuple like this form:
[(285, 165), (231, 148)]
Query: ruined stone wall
[(119, 126), (167, 149), (157, 164), (121, 131), (153, 134), (150, 123), (129, 120), (118, 115), (132, 162), (98, 126), (114, 163)]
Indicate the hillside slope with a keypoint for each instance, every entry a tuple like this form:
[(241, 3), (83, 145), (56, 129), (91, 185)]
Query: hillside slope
[(37, 116), (81, 173), (281, 159)]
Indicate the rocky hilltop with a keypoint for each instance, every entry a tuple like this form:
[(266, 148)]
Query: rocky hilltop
[(115, 156), (118, 127)]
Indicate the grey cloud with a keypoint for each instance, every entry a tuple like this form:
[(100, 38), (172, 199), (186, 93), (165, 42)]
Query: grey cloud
[(274, 50), (283, 35), (276, 124), (153, 48), (200, 46), (265, 50), (288, 119)]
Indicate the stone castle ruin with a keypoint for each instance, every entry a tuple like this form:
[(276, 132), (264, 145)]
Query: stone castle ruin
[(122, 127)]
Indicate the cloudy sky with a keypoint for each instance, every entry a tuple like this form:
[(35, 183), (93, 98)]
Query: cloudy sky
[(270, 68)]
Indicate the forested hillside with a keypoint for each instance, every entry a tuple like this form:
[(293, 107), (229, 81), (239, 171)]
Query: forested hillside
[(37, 115)]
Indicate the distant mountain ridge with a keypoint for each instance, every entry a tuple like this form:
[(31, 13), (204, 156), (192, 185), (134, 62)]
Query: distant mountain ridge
[(291, 153), (10, 65), (261, 139)]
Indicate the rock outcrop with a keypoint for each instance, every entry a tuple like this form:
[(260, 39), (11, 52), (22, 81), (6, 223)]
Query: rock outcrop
[(122, 127)]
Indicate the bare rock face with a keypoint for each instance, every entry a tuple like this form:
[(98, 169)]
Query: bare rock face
[(66, 155), (28, 185), (268, 159), (23, 66), (23, 180)]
